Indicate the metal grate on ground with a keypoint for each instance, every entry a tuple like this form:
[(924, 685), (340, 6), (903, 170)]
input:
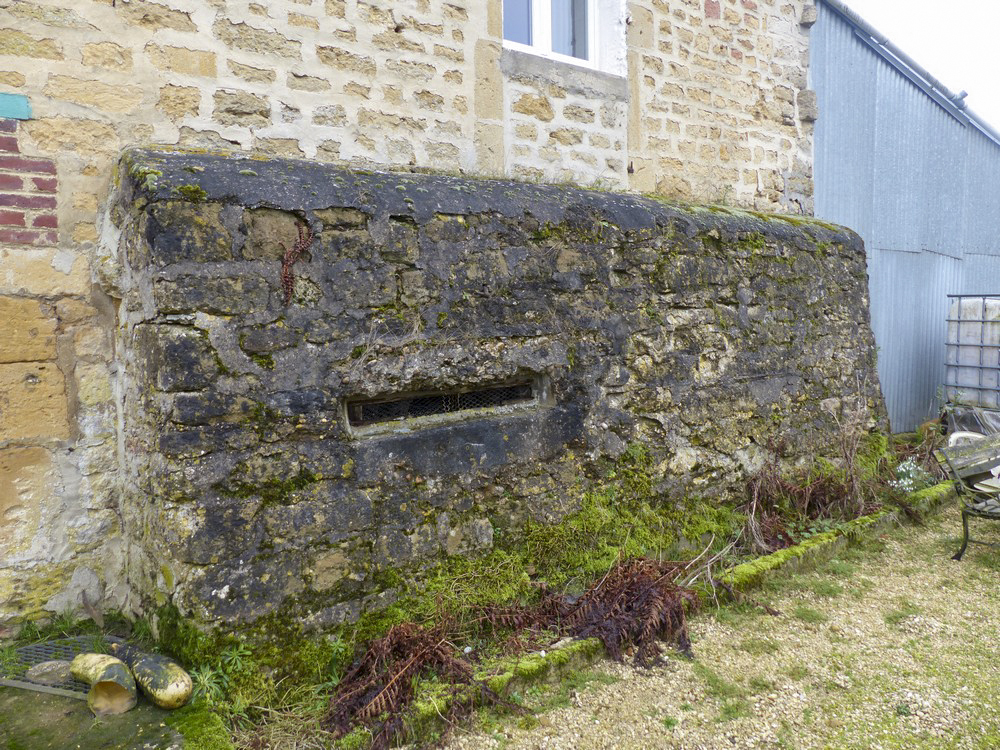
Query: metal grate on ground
[(27, 657), (364, 413)]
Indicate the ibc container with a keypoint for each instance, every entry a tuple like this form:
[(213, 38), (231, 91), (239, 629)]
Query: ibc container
[(972, 351)]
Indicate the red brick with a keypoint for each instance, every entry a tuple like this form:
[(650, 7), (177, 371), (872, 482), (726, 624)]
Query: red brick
[(46, 221), (44, 184), (10, 182), (9, 143), (12, 218), (26, 237), (8, 126), (20, 164), (27, 201)]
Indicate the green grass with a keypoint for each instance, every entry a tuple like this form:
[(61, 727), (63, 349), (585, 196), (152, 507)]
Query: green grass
[(839, 567), (809, 615), (797, 672), (733, 709), (759, 646), (543, 698), (905, 608), (716, 685), (760, 685), (736, 615), (826, 588)]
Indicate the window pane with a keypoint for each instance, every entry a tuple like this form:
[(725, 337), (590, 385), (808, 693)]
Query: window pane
[(569, 27), (517, 21)]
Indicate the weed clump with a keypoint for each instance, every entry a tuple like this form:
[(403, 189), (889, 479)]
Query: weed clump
[(785, 507)]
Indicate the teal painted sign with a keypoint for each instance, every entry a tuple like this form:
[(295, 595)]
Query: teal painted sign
[(14, 107)]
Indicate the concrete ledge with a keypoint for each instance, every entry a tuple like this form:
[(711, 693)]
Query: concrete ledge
[(579, 80)]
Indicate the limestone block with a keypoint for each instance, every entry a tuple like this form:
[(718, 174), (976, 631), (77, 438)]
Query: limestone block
[(46, 273), (328, 151), (308, 22), (534, 105), (69, 310), (220, 296), (488, 102), (269, 234), (84, 231), (640, 30), (175, 358), (179, 101), (578, 114), (48, 15), (566, 136), (251, 39), (154, 16), (18, 44), (93, 384), (107, 55), (11, 78), (307, 83), (278, 147), (182, 60), (29, 333), (185, 231), (250, 73), (105, 97), (32, 402), (330, 114), (28, 479), (808, 106), (54, 134), (241, 108), (343, 59), (490, 148)]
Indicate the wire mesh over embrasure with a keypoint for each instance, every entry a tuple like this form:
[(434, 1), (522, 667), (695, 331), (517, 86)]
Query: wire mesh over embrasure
[(363, 413), (60, 648)]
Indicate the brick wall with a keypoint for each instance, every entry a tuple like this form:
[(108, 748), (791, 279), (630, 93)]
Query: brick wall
[(713, 107), (28, 190)]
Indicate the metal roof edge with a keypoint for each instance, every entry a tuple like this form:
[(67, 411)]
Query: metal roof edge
[(911, 69)]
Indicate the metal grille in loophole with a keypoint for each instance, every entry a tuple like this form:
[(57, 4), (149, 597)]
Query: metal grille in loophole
[(362, 413), (22, 659)]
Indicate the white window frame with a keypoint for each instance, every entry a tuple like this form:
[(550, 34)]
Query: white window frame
[(541, 35)]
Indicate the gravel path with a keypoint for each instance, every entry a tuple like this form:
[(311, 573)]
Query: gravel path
[(892, 645)]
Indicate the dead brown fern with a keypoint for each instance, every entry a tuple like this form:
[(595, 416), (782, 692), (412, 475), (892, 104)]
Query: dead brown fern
[(634, 607), (379, 687)]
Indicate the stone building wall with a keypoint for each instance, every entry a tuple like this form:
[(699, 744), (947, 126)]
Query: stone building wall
[(413, 84), (296, 435)]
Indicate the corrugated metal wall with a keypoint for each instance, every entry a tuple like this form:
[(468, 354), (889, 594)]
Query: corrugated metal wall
[(921, 187)]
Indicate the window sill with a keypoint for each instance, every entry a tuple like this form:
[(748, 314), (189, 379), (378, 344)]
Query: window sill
[(578, 79)]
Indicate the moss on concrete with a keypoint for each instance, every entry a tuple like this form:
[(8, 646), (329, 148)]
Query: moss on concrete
[(200, 727)]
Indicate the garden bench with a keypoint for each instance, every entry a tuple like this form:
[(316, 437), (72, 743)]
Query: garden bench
[(974, 467)]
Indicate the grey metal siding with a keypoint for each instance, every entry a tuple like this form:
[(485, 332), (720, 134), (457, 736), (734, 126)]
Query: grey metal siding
[(919, 185)]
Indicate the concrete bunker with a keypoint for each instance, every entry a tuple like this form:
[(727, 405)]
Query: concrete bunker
[(456, 357)]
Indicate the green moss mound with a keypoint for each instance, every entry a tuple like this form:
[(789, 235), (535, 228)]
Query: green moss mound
[(201, 728)]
